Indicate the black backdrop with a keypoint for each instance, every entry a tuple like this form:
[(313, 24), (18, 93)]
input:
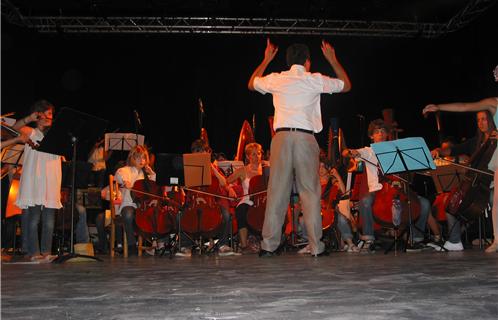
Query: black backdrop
[(162, 77)]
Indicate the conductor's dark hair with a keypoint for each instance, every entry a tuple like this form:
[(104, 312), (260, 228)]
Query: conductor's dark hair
[(297, 53)]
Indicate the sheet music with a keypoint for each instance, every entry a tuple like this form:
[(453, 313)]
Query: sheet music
[(123, 141)]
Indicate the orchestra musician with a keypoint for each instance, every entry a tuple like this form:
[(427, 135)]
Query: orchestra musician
[(40, 185), (137, 164), (243, 175), (487, 120), (377, 131), (296, 98), (222, 188)]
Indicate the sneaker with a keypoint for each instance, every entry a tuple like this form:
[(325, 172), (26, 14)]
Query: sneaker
[(415, 247), (225, 251), (351, 249), (305, 250), (184, 252), (436, 244), (366, 246), (450, 246)]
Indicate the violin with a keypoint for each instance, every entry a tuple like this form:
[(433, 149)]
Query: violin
[(9, 132)]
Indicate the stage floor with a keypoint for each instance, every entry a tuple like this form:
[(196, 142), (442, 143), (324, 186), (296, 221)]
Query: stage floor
[(425, 285)]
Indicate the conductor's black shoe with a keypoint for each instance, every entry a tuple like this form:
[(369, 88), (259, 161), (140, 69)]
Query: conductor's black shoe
[(264, 253), (321, 254)]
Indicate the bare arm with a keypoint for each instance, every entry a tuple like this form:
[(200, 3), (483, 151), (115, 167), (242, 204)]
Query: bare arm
[(329, 53), (270, 52), (26, 120), (489, 104)]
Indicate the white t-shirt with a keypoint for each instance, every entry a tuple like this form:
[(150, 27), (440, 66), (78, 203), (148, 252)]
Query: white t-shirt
[(41, 177), (129, 174), (296, 96)]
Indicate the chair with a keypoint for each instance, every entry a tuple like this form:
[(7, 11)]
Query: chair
[(115, 219)]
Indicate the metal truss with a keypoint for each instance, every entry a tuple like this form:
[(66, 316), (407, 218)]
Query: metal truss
[(214, 25), (227, 25)]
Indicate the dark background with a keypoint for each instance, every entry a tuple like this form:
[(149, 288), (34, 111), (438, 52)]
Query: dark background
[(163, 76)]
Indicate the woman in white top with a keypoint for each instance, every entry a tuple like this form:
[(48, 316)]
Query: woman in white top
[(491, 105), (136, 164), (254, 168), (40, 185)]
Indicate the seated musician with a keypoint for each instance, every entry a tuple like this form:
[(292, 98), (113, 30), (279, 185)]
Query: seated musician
[(377, 131), (485, 130), (253, 152), (329, 179), (224, 249), (39, 190), (137, 164)]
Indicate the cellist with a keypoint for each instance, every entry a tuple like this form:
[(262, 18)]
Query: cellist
[(253, 152), (377, 131), (137, 164), (485, 108)]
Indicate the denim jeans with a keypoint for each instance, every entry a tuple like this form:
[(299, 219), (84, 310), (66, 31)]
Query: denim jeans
[(31, 219), (225, 226), (366, 214), (454, 228), (425, 211), (128, 214), (81, 229), (343, 226)]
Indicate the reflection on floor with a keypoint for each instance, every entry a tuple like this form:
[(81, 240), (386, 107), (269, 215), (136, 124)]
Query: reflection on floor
[(427, 285)]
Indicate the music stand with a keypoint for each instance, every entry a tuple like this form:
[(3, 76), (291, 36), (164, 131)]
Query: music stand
[(404, 156), (446, 177), (69, 128), (122, 141), (183, 170)]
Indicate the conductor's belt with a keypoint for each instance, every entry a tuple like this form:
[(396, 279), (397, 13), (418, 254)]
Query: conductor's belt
[(294, 130)]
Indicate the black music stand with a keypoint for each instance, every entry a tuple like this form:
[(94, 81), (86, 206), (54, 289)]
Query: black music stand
[(69, 128), (182, 170), (404, 156)]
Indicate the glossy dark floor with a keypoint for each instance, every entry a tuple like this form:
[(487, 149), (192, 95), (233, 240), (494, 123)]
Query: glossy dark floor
[(427, 285)]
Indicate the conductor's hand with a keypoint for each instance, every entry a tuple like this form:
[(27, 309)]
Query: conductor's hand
[(430, 108), (328, 51), (270, 51)]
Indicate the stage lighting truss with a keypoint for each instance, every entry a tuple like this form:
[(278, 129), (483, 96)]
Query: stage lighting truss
[(227, 25)]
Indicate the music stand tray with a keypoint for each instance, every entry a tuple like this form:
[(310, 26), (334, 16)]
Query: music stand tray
[(404, 156), (69, 128)]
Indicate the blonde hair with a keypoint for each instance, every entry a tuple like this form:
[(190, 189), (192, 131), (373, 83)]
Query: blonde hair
[(136, 152), (251, 146)]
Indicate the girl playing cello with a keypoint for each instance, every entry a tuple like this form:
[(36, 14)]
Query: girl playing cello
[(253, 152), (137, 164)]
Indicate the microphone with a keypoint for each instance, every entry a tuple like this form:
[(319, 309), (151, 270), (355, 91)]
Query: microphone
[(360, 116), (137, 118)]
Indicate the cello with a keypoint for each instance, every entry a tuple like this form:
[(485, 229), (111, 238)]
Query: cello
[(154, 221), (471, 197)]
